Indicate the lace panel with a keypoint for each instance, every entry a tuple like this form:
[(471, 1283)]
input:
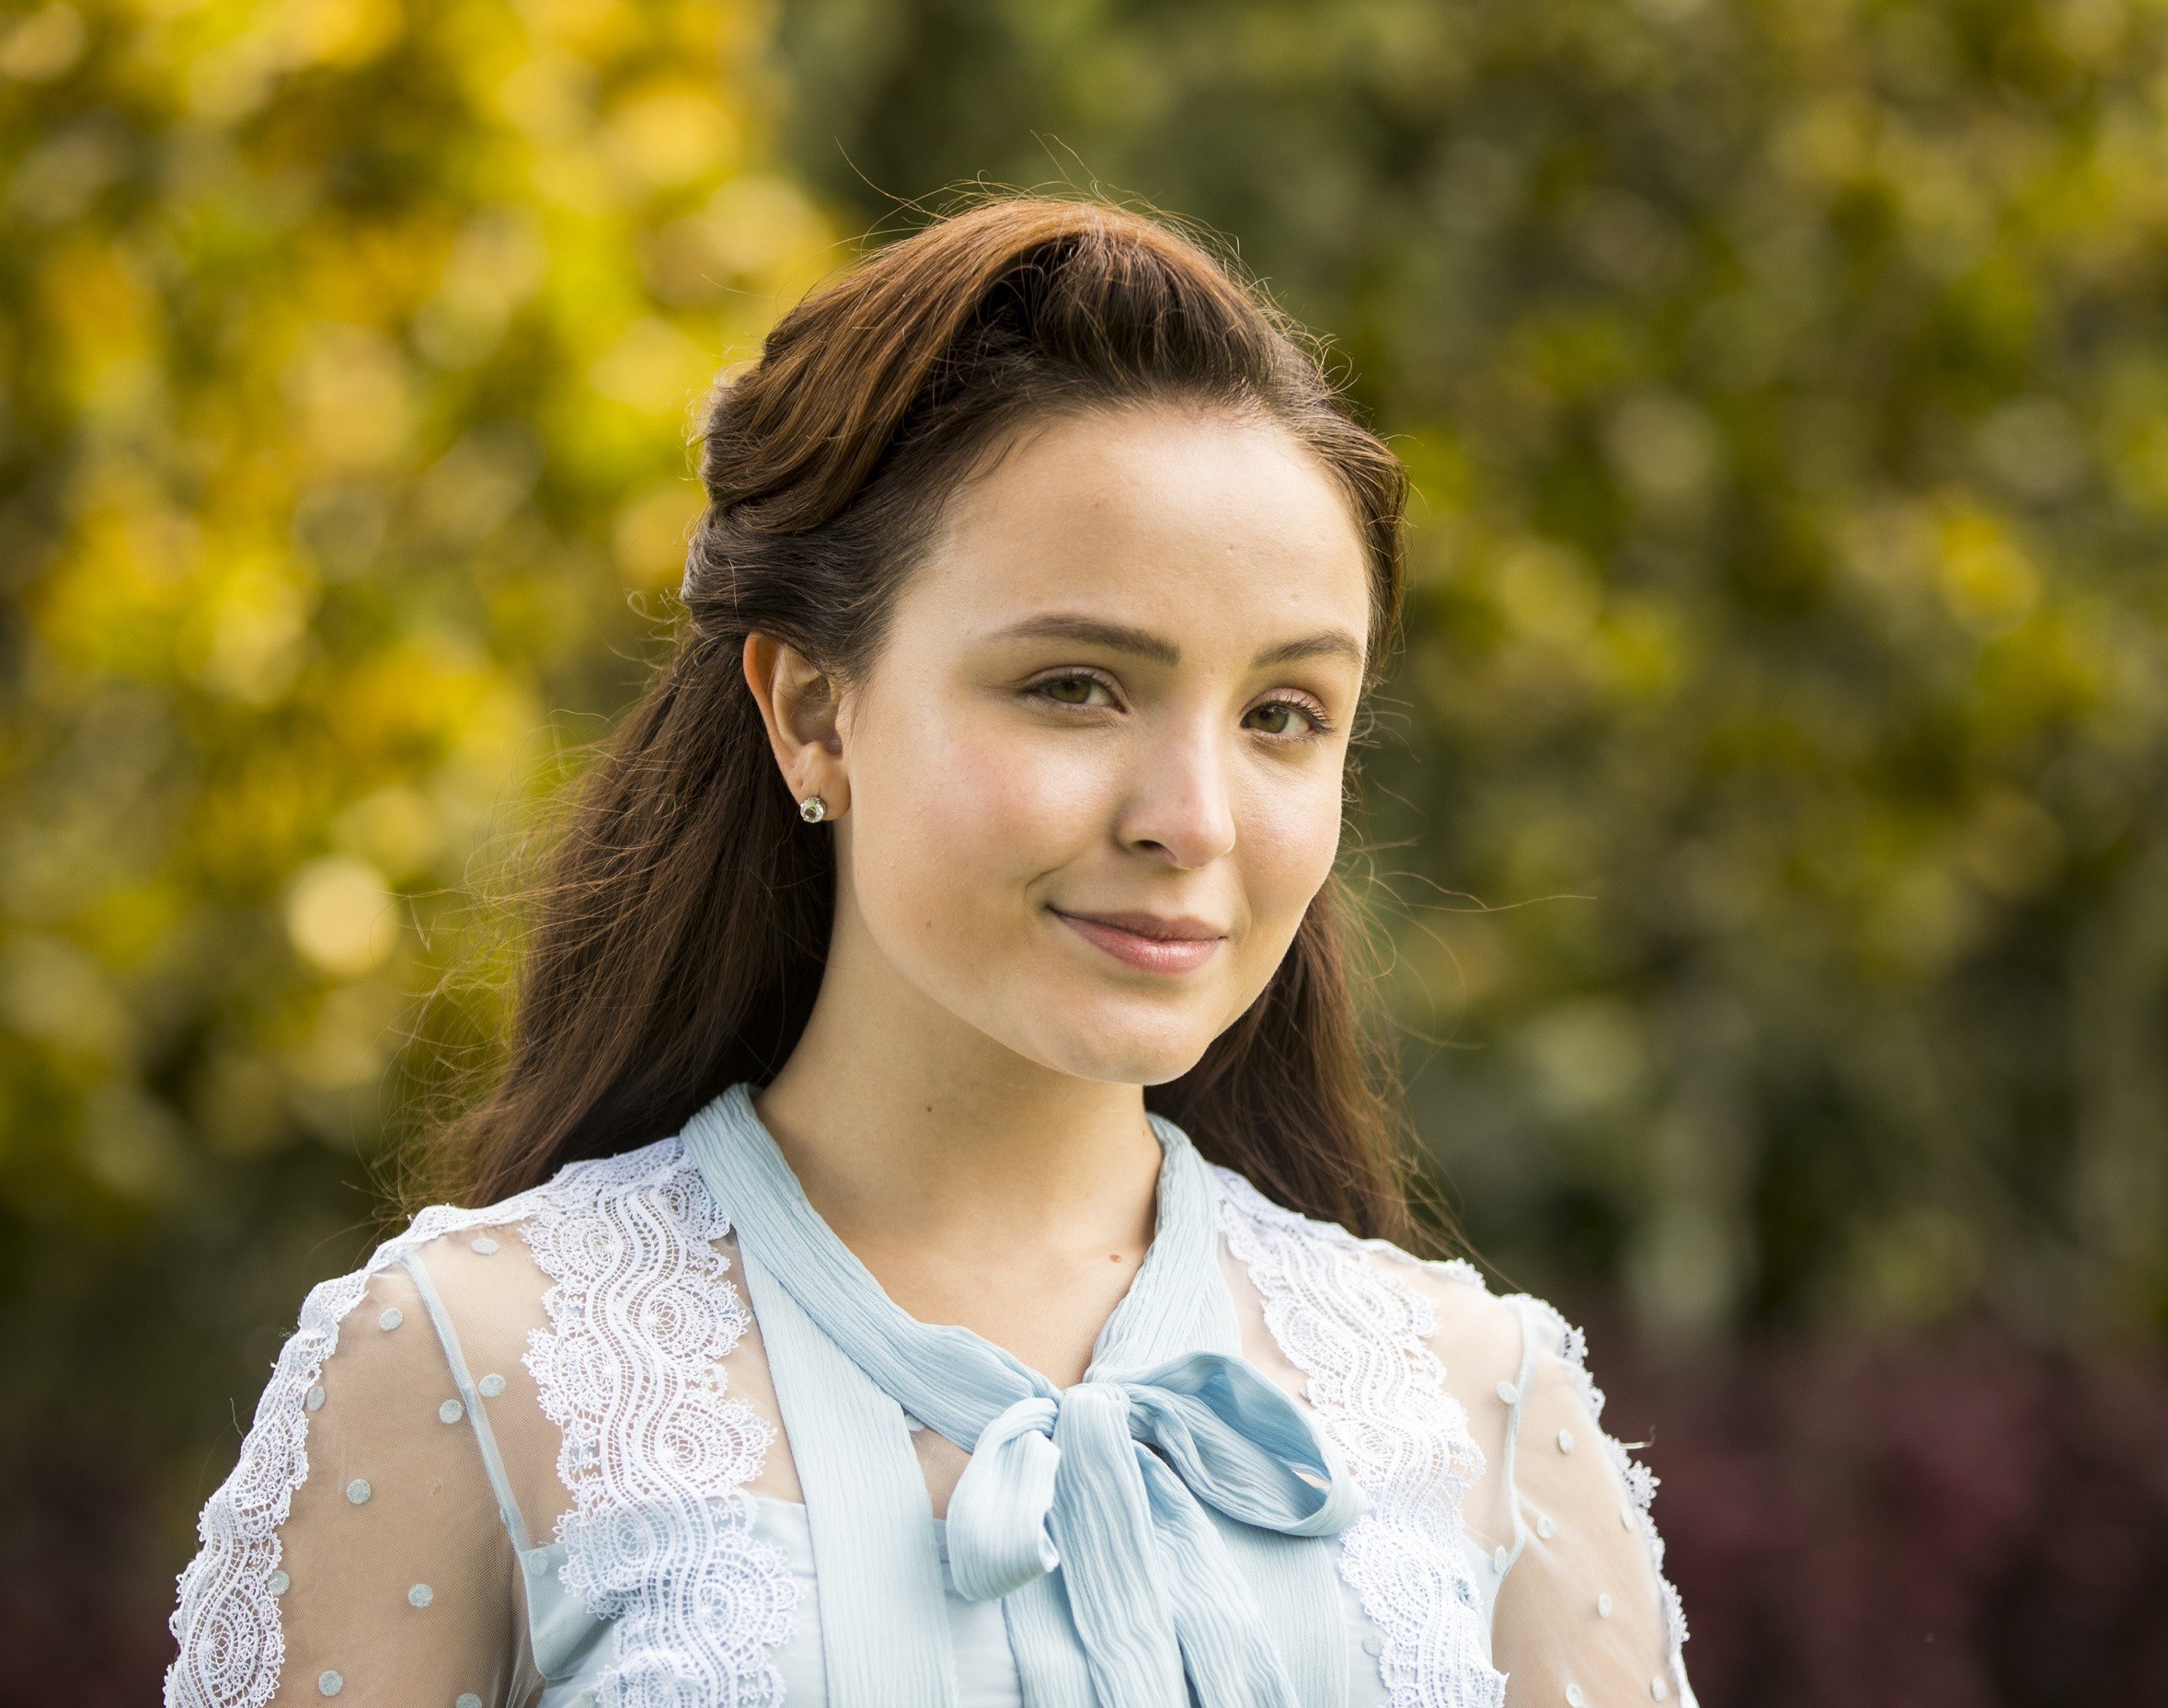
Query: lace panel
[(226, 1618), (1571, 1346), (1361, 1338), (660, 1537)]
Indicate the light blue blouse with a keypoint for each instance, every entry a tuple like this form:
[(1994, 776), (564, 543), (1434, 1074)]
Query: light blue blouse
[(880, 1615), (1173, 1529)]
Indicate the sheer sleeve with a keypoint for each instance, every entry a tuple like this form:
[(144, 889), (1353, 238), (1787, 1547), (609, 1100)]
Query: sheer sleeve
[(1584, 1616), (410, 1467), (358, 1550)]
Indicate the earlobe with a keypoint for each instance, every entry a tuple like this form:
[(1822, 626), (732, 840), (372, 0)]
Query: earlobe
[(799, 707)]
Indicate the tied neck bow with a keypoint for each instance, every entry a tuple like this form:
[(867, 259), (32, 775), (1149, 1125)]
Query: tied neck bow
[(1108, 1481)]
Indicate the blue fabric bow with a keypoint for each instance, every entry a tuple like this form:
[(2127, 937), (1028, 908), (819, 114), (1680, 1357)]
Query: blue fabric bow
[(1108, 1481)]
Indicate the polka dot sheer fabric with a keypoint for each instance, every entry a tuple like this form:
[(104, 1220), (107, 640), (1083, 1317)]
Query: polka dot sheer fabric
[(1471, 1424), (572, 1383), (291, 1538)]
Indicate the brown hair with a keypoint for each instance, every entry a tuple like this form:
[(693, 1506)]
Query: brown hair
[(682, 932)]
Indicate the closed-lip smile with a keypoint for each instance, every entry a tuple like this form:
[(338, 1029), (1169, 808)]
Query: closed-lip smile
[(1148, 941)]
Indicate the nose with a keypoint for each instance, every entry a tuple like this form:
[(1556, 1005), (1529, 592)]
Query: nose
[(1180, 805)]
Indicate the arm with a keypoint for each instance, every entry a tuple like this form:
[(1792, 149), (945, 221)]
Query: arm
[(1584, 1615), (357, 1550)]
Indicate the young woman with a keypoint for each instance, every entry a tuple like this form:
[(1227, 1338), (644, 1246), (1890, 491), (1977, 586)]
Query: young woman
[(934, 1231)]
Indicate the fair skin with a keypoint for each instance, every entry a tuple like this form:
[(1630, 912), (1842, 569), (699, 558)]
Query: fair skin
[(1080, 800)]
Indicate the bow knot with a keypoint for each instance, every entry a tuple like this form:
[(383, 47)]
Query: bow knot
[(997, 1514), (1113, 1476)]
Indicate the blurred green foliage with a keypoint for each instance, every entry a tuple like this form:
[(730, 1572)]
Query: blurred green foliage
[(346, 355), (1786, 381)]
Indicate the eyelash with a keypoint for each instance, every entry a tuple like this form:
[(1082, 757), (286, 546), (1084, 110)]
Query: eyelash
[(1038, 687), (1320, 725)]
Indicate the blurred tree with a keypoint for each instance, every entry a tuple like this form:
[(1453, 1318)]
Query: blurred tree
[(1786, 381), (346, 350)]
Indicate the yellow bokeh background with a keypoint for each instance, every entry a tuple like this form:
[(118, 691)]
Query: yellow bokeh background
[(355, 349)]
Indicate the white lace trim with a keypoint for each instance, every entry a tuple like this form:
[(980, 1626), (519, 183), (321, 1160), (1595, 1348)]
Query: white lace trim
[(1571, 1346), (1361, 1336), (656, 1458), (226, 1620), (660, 1538)]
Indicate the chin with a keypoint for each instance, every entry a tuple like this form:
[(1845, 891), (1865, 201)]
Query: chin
[(1124, 1049)]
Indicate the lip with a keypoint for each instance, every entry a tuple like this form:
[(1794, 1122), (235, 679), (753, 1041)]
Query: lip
[(1147, 941)]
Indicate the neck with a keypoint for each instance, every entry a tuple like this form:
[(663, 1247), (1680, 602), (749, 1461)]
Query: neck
[(904, 1123)]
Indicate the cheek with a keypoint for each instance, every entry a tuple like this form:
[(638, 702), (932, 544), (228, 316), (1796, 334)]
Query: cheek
[(1289, 839), (956, 816), (1033, 803)]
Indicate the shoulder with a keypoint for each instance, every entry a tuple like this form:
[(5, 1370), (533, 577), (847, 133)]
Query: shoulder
[(1510, 1351), (493, 1263), (654, 1186), (661, 1174), (490, 1269), (489, 1260), (1444, 1300)]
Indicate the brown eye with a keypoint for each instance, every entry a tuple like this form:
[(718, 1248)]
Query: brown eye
[(1073, 690), (1280, 717)]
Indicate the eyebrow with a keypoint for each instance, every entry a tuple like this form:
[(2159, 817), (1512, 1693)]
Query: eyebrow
[(1090, 632), (1144, 644), (1332, 644)]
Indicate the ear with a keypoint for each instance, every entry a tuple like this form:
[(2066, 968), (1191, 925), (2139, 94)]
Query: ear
[(798, 703)]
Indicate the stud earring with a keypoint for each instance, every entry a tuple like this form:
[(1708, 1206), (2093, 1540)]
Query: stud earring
[(812, 810)]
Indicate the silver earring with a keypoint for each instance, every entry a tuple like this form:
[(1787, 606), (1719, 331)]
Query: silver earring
[(812, 810)]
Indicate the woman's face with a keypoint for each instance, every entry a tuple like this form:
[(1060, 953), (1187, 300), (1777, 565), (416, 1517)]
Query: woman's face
[(1092, 778)]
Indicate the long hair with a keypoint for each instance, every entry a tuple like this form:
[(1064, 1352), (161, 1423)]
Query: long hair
[(681, 936)]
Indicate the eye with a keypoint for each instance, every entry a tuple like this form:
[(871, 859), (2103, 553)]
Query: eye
[(1072, 688), (1286, 719)]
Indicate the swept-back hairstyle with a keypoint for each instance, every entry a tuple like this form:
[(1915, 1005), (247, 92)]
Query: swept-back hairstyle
[(682, 931)]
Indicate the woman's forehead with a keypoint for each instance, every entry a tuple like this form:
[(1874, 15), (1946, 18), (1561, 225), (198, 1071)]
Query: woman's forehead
[(1163, 519)]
